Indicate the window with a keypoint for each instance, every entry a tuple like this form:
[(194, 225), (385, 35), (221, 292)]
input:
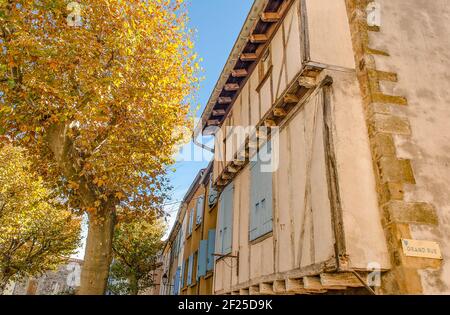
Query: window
[(200, 203), (225, 221), (261, 199), (176, 286)]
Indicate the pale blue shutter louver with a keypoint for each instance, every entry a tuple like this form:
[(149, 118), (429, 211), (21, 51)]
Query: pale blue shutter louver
[(202, 259), (190, 266), (211, 248), (200, 203)]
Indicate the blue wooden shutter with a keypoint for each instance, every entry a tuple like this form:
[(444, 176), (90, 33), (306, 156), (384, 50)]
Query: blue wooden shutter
[(191, 221), (202, 259), (200, 204), (226, 213), (190, 266), (176, 286), (211, 249), (261, 218), (183, 273)]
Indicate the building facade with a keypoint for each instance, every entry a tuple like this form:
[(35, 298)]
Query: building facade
[(331, 153), (63, 281), (188, 260)]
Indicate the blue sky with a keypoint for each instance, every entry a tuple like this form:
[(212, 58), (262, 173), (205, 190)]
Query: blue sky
[(218, 23)]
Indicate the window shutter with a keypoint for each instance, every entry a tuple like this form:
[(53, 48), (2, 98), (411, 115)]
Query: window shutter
[(200, 204), (177, 282), (211, 248), (191, 221), (190, 265), (202, 257), (261, 218), (227, 219), (183, 272)]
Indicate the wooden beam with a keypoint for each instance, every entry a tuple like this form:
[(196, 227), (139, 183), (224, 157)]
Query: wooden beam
[(291, 99), (313, 284), (258, 38), (266, 289), (340, 280), (279, 286), (231, 87), (239, 73), (232, 169), (235, 293), (219, 112), (244, 292), (239, 162), (307, 82), (270, 123), (226, 176), (295, 286), (249, 57), (279, 112), (253, 290), (224, 100), (213, 122), (270, 17)]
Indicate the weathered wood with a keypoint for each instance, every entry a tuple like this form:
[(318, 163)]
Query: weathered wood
[(291, 99), (307, 82), (249, 57), (313, 284), (232, 169), (254, 290), (244, 292), (213, 122), (270, 17), (226, 176), (266, 289), (224, 100), (239, 163), (239, 73), (219, 112), (279, 112), (279, 286), (295, 286), (231, 87), (340, 280), (258, 38), (270, 123), (235, 293)]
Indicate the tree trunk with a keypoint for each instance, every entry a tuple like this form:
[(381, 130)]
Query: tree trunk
[(98, 255)]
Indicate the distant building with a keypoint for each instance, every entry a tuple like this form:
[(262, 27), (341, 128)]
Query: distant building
[(65, 280)]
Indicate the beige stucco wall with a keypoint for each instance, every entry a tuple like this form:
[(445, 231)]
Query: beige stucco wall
[(416, 33)]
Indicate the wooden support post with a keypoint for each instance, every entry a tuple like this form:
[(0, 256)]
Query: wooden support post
[(239, 73), (258, 38)]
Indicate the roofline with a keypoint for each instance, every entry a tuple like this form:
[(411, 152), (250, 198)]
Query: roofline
[(256, 9)]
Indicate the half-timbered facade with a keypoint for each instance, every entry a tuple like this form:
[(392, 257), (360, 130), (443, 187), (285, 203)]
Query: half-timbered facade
[(333, 212)]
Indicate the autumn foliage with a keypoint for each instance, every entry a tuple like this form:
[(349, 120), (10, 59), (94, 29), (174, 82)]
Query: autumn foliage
[(36, 232), (96, 104)]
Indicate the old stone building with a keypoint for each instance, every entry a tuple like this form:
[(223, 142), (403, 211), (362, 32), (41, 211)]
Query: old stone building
[(64, 280), (355, 96)]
